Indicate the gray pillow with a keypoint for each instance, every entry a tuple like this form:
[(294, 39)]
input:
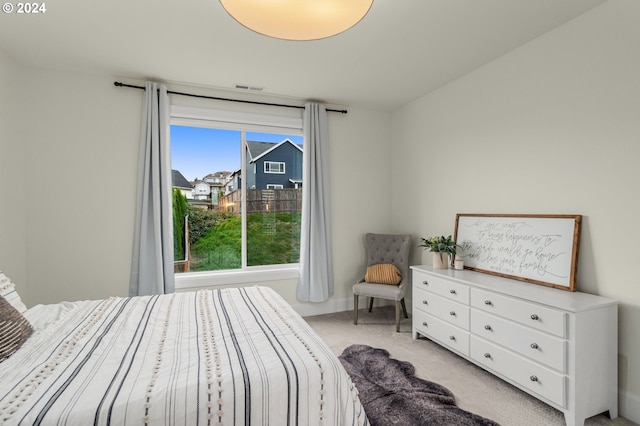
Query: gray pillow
[(14, 329), (8, 291)]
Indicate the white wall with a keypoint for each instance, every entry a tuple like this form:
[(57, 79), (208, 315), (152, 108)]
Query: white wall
[(13, 259), (361, 192), (81, 145), (552, 127), (79, 176)]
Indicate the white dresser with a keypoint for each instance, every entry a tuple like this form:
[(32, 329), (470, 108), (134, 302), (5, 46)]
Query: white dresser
[(559, 346)]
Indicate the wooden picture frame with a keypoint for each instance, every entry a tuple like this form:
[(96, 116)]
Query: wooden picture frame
[(540, 249)]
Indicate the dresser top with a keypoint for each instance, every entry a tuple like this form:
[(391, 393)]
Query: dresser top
[(561, 299)]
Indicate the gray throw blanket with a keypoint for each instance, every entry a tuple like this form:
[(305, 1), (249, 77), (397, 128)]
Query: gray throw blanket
[(392, 395)]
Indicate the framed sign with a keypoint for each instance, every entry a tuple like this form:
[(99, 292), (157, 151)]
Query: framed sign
[(540, 249)]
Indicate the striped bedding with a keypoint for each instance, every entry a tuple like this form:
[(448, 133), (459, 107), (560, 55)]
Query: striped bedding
[(212, 357)]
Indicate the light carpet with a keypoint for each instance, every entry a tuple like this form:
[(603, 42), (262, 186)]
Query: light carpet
[(392, 395), (474, 389)]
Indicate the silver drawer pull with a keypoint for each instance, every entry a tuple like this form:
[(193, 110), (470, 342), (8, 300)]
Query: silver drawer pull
[(533, 378), (425, 282), (487, 327), (452, 313), (424, 302), (452, 291), (534, 317), (488, 302), (487, 355), (534, 346), (425, 324), (452, 337)]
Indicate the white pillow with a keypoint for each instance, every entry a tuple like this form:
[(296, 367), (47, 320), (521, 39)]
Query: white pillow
[(8, 291)]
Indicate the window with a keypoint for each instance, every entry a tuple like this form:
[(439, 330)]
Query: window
[(246, 227), (274, 167)]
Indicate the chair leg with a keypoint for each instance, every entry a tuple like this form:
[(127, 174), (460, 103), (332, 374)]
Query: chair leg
[(397, 316), (404, 308), (355, 309), (370, 304)]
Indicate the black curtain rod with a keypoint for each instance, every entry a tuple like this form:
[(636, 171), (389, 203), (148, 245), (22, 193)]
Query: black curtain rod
[(119, 84)]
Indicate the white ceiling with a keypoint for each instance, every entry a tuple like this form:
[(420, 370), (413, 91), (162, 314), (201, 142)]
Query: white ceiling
[(401, 50)]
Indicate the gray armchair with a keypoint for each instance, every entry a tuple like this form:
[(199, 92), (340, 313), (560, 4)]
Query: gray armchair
[(385, 248)]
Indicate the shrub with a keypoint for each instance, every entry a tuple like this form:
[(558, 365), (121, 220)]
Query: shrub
[(180, 207), (201, 221)]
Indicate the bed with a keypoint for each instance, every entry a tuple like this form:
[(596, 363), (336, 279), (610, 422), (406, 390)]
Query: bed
[(212, 357)]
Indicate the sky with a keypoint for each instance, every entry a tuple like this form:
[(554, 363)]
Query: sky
[(198, 151)]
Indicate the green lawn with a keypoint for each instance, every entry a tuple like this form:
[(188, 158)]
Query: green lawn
[(272, 239)]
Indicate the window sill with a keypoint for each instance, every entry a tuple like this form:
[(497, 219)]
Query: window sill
[(190, 280)]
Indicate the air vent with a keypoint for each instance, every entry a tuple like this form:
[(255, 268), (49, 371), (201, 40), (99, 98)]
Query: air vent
[(248, 87)]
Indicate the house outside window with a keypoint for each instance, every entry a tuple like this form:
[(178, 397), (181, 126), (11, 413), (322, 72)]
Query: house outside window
[(202, 190), (251, 232)]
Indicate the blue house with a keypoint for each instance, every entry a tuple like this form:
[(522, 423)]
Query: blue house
[(274, 166)]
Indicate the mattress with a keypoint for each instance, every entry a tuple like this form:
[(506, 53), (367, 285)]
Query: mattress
[(212, 357)]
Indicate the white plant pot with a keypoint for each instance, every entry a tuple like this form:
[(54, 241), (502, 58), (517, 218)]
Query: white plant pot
[(439, 263)]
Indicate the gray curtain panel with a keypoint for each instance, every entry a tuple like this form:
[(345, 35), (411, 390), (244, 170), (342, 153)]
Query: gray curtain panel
[(152, 263), (316, 265)]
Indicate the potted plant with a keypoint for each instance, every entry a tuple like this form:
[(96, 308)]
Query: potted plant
[(441, 247)]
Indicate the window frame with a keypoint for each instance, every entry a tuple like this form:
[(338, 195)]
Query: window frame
[(281, 165), (244, 122)]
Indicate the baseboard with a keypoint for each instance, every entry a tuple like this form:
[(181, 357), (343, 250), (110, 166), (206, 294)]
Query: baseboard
[(629, 406), (336, 305), (308, 309)]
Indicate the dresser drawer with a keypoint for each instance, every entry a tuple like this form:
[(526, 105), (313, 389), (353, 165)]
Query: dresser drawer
[(443, 287), (526, 313), (541, 347), (530, 375), (448, 335), (441, 307)]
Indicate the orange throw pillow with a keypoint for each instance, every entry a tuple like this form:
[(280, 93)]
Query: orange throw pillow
[(383, 273)]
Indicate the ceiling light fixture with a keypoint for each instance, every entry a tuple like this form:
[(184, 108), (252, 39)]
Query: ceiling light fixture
[(297, 19)]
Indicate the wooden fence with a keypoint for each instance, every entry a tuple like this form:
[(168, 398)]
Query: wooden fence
[(258, 201), (263, 201)]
